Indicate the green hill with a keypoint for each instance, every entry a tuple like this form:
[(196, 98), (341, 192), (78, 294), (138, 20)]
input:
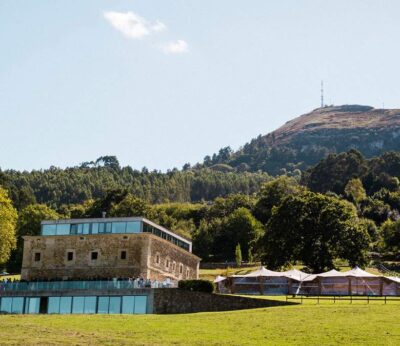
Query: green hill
[(307, 139)]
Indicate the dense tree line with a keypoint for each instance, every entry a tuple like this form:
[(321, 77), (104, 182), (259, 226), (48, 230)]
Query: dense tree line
[(345, 207), (91, 180)]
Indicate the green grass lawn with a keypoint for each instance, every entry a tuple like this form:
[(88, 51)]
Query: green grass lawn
[(308, 324)]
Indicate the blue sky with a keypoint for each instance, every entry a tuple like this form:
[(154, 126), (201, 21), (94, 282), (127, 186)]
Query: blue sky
[(161, 83)]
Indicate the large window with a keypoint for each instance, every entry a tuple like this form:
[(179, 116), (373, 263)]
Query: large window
[(6, 304), (103, 305), (105, 227), (133, 227), (115, 305), (118, 227), (128, 304), (54, 305), (65, 305), (90, 305), (78, 304), (48, 229), (32, 305), (63, 229), (140, 304)]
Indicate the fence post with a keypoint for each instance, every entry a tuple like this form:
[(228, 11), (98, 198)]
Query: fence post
[(385, 299), (367, 299), (334, 299)]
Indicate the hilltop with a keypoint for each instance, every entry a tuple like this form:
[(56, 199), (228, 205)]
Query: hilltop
[(305, 140)]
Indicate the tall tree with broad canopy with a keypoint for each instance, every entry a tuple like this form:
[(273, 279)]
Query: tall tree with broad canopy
[(272, 193), (8, 222), (238, 228), (29, 221), (315, 229)]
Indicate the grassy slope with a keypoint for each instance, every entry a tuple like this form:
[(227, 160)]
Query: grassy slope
[(328, 324)]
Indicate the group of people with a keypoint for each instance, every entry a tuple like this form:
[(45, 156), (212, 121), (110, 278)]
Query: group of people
[(89, 283)]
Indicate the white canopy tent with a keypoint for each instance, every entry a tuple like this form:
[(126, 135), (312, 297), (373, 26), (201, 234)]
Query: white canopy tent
[(219, 278), (352, 282)]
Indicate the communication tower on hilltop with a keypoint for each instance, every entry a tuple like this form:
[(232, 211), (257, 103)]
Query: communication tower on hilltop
[(322, 93)]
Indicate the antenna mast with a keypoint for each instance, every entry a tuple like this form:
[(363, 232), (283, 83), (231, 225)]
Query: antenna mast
[(322, 93)]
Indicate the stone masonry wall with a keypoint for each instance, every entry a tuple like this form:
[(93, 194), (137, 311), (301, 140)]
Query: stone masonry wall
[(54, 263), (175, 301)]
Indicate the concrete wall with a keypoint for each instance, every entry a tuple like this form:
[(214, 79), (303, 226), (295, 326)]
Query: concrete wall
[(146, 256)]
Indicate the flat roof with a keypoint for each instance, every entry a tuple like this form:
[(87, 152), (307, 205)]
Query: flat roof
[(115, 219)]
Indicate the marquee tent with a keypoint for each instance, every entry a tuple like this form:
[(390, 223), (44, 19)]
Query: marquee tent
[(352, 282), (221, 283), (261, 281)]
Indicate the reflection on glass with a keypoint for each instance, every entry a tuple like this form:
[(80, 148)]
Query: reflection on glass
[(140, 304), (133, 227), (128, 304), (115, 305), (90, 305), (78, 305), (48, 229), (65, 305), (54, 305), (6, 304), (86, 228), (32, 305), (95, 228), (63, 229), (118, 227), (103, 305)]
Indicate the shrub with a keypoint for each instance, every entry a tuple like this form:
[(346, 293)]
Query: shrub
[(196, 285)]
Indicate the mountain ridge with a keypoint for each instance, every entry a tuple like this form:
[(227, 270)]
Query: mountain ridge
[(308, 138)]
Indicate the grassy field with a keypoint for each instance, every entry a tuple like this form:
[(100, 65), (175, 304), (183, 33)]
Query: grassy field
[(309, 324)]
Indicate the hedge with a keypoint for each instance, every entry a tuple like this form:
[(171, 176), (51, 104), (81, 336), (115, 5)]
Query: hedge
[(196, 285)]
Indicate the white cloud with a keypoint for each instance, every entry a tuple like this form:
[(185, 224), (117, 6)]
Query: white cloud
[(175, 47), (132, 25)]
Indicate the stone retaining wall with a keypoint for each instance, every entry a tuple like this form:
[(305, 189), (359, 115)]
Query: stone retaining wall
[(176, 301)]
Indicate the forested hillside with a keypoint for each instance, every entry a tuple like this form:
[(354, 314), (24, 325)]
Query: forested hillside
[(90, 180), (344, 208), (303, 141)]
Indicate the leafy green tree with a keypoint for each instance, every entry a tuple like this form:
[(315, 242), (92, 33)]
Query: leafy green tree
[(354, 191), (272, 193), (8, 221), (224, 206), (375, 209), (238, 228), (314, 229), (29, 221), (250, 257), (203, 239), (391, 236), (238, 255), (332, 173), (130, 206)]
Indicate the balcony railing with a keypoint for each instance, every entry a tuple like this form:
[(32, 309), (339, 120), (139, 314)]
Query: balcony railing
[(33, 286)]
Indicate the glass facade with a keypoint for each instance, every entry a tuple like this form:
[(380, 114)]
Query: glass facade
[(115, 227), (32, 305), (76, 305)]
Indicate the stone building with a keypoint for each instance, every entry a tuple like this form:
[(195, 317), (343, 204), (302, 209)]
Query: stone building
[(103, 248)]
